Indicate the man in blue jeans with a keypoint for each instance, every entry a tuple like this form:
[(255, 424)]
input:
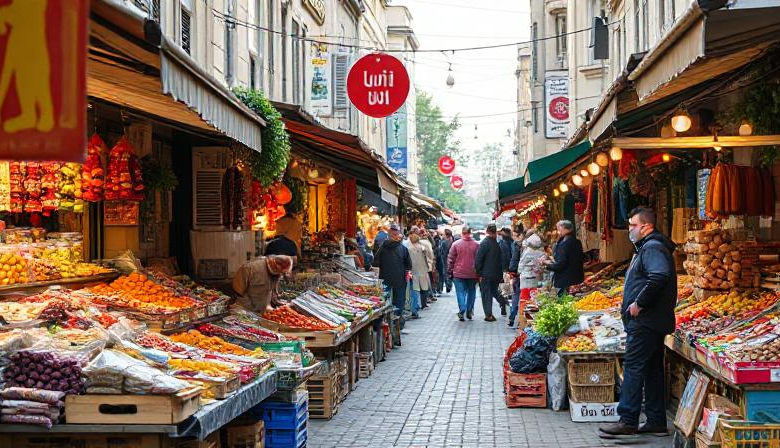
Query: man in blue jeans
[(649, 298), (394, 265), (460, 267)]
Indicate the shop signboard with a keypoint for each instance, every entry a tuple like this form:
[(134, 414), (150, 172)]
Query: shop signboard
[(446, 165), (556, 104), (43, 98), (397, 141), (320, 97), (378, 84), (456, 182)]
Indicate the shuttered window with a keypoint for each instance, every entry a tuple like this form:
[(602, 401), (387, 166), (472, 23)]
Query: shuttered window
[(340, 69), (185, 30)]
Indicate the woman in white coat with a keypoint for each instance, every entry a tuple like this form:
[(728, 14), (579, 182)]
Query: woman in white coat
[(421, 284)]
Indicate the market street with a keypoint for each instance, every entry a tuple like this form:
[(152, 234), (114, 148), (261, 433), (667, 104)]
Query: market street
[(443, 387)]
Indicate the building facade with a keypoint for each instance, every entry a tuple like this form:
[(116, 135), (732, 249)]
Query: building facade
[(296, 51)]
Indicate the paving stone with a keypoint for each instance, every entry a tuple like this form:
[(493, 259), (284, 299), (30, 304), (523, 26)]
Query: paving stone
[(444, 388)]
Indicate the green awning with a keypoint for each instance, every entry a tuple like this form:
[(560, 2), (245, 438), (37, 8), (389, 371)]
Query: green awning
[(541, 169), (511, 187)]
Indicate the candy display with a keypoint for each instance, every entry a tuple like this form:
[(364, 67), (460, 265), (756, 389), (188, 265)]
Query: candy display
[(287, 316), (195, 338)]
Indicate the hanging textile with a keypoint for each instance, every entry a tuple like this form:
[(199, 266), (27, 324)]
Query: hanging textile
[(621, 194)]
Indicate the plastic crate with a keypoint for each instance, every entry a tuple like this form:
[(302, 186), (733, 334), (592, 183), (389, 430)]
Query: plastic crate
[(747, 434), (282, 438), (287, 416), (762, 405)]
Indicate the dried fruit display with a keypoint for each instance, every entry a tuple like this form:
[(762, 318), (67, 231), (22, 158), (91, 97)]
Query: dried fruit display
[(159, 342), (195, 338), (288, 316), (92, 175), (14, 269), (33, 188), (578, 343), (70, 188), (137, 291), (210, 368), (44, 370), (16, 187)]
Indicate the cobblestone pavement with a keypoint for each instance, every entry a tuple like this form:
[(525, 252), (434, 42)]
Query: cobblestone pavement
[(443, 388)]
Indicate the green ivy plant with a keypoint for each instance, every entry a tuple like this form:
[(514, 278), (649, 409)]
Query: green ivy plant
[(759, 104), (268, 166), (157, 175)]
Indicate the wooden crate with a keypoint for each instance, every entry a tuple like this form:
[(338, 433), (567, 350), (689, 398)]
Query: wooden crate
[(59, 440), (526, 390), (323, 395), (219, 388), (245, 434), (132, 409), (365, 364)]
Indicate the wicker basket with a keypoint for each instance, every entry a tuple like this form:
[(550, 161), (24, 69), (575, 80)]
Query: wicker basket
[(592, 373), (592, 394)]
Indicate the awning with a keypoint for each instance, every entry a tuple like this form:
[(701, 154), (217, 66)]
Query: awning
[(705, 44), (132, 65), (541, 169)]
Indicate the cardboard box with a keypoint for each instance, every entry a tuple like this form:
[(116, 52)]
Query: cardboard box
[(593, 412), (245, 435)]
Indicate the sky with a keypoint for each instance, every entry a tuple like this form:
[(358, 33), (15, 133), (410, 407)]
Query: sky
[(485, 82)]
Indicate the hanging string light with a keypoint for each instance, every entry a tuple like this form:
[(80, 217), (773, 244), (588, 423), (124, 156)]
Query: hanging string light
[(666, 157), (556, 193), (745, 128), (563, 187), (584, 173), (615, 153), (602, 160), (576, 180), (594, 169)]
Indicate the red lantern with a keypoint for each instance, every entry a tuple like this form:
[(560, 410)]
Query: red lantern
[(378, 84), (456, 182), (446, 165), (282, 194)]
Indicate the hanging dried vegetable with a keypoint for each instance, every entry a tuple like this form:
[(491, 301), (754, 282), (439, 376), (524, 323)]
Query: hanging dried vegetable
[(232, 197), (737, 190), (124, 179), (16, 176), (33, 188), (50, 182), (70, 192), (5, 185), (93, 176)]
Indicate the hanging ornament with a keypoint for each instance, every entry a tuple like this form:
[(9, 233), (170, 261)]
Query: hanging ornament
[(615, 153), (282, 193), (576, 180), (602, 160), (594, 169)]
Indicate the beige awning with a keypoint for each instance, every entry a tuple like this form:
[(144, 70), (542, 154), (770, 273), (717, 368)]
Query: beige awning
[(703, 46)]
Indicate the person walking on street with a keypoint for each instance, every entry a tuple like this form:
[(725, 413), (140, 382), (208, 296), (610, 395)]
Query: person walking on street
[(505, 242), (649, 299), (395, 267), (427, 241), (488, 266), (529, 268), (439, 268), (444, 252), (460, 268), (420, 283), (568, 265)]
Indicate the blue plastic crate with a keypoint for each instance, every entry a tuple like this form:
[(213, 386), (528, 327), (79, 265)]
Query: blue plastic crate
[(282, 438), (762, 405), (286, 418), (282, 410)]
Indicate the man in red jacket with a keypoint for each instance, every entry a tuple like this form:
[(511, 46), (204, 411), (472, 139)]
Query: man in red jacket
[(460, 267)]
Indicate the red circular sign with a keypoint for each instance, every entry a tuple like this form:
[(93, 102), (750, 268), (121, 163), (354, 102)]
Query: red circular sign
[(456, 182), (446, 165), (559, 108), (377, 84)]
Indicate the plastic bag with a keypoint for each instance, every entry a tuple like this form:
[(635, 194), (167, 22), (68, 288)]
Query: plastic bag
[(138, 377), (40, 395), (556, 382), (533, 356), (27, 419)]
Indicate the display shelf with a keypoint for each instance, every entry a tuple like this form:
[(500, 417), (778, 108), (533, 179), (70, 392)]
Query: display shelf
[(71, 282)]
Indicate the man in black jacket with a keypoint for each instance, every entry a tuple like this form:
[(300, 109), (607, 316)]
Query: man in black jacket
[(568, 265), (394, 265), (506, 248), (487, 263), (649, 298), (444, 252)]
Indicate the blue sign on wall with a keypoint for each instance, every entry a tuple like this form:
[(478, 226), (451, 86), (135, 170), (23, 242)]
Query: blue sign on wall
[(397, 141)]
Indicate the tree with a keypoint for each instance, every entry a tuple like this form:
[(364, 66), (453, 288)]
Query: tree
[(491, 162), (435, 138)]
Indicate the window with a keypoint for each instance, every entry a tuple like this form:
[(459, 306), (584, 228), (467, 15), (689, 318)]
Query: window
[(261, 20), (560, 39), (340, 69), (535, 51), (230, 33), (645, 27), (253, 72), (596, 8), (666, 14), (156, 10), (284, 54), (635, 12), (186, 28), (296, 65)]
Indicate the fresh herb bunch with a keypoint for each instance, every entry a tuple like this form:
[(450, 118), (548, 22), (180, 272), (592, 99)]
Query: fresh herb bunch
[(554, 319), (268, 166)]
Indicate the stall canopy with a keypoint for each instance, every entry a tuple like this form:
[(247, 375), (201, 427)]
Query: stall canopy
[(541, 169), (707, 41), (131, 64), (341, 151)]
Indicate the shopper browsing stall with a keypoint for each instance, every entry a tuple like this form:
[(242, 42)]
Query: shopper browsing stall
[(567, 267), (444, 252), (257, 281), (395, 265), (420, 283), (649, 299), (528, 272), (460, 268)]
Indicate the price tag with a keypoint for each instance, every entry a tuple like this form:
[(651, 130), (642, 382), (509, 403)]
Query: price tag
[(774, 375)]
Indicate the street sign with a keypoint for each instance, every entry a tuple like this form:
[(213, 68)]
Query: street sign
[(456, 182), (377, 84), (43, 97), (446, 165)]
